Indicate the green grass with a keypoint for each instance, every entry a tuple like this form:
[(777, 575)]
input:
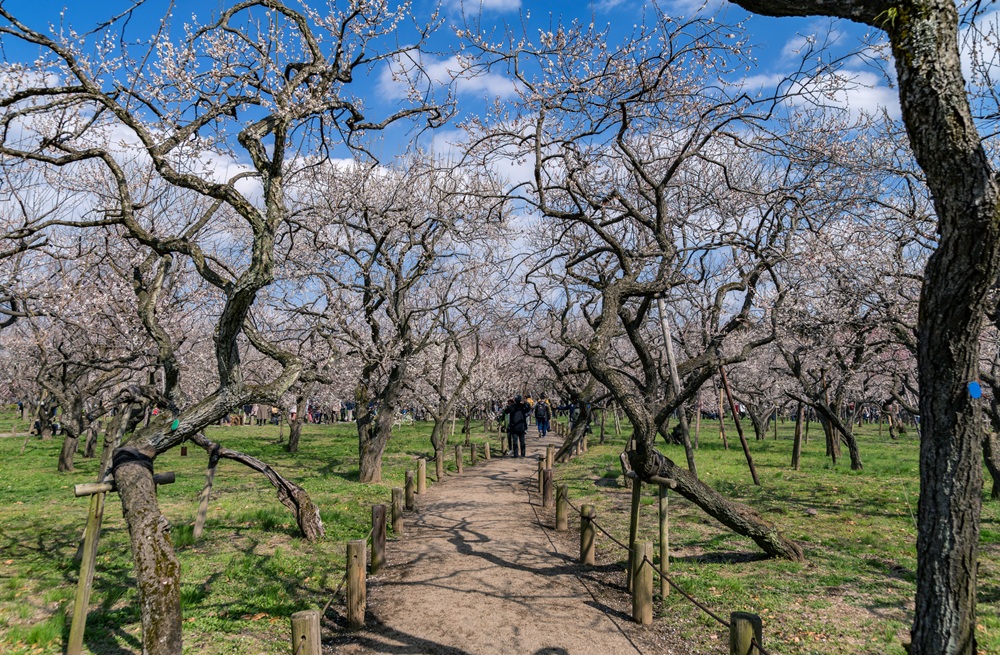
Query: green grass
[(240, 582), (251, 570), (854, 594)]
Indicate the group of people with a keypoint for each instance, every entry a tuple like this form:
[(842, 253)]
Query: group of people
[(518, 413)]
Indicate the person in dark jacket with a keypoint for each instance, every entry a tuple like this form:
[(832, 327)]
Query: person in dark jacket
[(516, 414)]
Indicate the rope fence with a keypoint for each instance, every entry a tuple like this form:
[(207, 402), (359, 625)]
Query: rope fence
[(754, 642)]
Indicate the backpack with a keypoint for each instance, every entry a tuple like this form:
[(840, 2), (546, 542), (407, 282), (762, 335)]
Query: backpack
[(518, 418), (542, 411)]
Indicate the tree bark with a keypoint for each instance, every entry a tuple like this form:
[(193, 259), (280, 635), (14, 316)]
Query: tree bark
[(957, 282), (71, 442), (157, 571), (735, 516), (290, 494)]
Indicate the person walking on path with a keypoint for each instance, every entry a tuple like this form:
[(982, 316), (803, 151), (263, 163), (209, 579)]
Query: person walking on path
[(517, 425), (543, 412)]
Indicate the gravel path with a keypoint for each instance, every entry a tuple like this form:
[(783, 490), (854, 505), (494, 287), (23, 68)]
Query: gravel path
[(476, 573)]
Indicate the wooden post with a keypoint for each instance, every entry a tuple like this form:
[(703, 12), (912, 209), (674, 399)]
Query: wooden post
[(664, 541), (587, 534), (378, 538), (305, 633), (697, 420), (722, 422), (409, 491), (604, 418), (472, 454), (421, 476), (642, 582), (744, 627), (94, 517), (206, 494), (356, 584), (486, 450), (547, 488), (550, 456), (797, 442), (439, 465), (633, 525), (458, 457), (397, 511), (562, 508), (541, 474), (739, 428)]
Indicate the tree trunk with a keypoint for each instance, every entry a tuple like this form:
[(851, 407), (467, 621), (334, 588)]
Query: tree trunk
[(157, 571), (373, 435), (295, 427), (70, 445), (736, 516), (90, 446)]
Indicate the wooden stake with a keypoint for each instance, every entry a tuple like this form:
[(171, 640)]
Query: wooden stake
[(305, 633), (458, 457), (421, 476), (472, 454), (93, 532), (486, 450), (633, 525), (664, 541), (562, 508), (797, 442), (739, 428), (587, 534), (547, 488), (203, 498), (642, 576), (397, 511), (439, 465), (378, 538), (409, 491), (356, 578), (744, 627)]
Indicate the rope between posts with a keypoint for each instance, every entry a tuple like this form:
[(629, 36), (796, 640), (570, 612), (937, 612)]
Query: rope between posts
[(335, 594), (673, 584)]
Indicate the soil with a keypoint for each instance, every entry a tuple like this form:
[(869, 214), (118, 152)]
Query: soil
[(481, 570)]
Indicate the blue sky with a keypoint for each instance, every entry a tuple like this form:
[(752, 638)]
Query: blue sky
[(776, 41)]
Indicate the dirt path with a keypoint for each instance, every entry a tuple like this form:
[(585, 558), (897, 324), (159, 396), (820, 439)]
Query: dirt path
[(476, 573)]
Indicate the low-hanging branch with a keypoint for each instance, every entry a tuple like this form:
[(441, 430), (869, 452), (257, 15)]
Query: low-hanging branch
[(290, 494)]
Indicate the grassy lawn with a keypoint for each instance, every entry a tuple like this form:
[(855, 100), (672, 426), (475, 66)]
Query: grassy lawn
[(855, 592), (250, 571)]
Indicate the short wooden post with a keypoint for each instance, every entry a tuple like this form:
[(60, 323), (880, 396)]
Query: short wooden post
[(664, 542), (642, 582), (541, 474), (421, 476), (472, 454), (633, 526), (184, 451), (587, 534), (550, 456), (562, 508), (458, 457), (94, 517), (547, 488), (439, 465), (744, 629), (409, 491), (397, 511), (378, 538), (356, 584), (486, 450), (305, 633)]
